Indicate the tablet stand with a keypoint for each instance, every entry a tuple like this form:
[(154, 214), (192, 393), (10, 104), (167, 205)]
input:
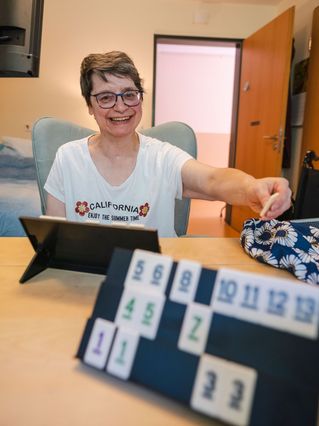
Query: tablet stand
[(76, 246)]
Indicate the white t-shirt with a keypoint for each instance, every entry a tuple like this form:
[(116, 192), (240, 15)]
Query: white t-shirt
[(146, 198)]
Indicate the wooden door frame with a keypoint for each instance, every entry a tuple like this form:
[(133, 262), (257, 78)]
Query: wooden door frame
[(310, 122), (234, 122)]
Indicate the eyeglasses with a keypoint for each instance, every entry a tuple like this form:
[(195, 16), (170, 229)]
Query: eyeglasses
[(107, 100)]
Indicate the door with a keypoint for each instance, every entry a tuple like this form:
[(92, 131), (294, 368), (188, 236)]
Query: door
[(262, 103), (205, 103), (310, 138)]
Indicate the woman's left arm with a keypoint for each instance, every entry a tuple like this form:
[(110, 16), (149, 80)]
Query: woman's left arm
[(235, 187)]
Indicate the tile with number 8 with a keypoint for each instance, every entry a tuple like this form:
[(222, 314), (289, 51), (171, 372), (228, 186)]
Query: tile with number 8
[(185, 281)]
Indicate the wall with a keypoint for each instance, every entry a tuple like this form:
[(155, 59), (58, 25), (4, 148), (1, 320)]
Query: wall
[(302, 32), (72, 29)]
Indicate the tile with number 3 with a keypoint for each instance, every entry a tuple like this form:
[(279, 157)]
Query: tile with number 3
[(224, 389)]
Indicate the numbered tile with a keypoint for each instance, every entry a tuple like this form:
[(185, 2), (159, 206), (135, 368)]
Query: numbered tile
[(123, 353), (276, 303), (150, 314), (224, 390), (185, 282), (237, 394), (149, 270), (99, 344), (141, 311), (130, 305), (206, 396), (195, 328)]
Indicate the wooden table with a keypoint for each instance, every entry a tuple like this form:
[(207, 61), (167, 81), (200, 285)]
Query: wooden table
[(41, 323)]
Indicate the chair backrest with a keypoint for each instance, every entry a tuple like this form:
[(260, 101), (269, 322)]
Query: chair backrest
[(48, 134)]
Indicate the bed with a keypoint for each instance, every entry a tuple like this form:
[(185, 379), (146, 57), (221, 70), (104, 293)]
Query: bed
[(19, 194)]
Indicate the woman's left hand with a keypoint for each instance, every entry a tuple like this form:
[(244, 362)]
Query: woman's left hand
[(261, 190)]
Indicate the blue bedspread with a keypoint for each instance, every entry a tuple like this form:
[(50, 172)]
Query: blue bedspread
[(19, 194), (18, 197)]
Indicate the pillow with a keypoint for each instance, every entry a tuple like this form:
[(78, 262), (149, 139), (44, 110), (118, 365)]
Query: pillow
[(6, 151), (16, 167), (21, 146)]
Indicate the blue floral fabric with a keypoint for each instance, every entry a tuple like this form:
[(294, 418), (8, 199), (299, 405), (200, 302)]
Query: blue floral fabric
[(285, 245)]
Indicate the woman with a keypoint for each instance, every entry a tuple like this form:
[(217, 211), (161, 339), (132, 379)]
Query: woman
[(119, 174)]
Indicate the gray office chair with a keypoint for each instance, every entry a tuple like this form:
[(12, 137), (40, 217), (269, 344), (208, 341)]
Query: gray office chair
[(49, 133)]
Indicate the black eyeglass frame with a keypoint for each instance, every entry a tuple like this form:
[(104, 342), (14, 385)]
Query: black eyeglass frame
[(139, 94)]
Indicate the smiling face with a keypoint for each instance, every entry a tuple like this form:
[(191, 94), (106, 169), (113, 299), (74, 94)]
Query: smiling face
[(121, 120)]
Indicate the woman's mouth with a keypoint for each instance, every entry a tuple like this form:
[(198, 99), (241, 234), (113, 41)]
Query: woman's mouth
[(120, 119)]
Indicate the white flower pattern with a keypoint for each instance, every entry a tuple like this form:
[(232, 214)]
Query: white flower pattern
[(287, 245), (285, 235), (247, 238), (264, 234), (264, 256), (310, 239), (313, 278), (303, 256), (314, 253), (294, 264), (314, 231)]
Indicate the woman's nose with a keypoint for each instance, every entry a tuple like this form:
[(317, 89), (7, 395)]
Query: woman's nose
[(119, 104)]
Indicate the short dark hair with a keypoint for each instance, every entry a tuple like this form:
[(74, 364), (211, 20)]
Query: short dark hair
[(115, 63)]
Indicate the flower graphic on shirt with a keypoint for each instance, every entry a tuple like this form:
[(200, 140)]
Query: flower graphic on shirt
[(144, 209), (81, 208)]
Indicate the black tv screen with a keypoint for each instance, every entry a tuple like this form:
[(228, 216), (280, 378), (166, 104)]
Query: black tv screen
[(20, 37)]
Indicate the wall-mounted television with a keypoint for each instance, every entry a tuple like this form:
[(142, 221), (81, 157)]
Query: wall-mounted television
[(20, 37)]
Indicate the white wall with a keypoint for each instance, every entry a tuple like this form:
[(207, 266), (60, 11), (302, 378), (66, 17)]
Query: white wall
[(73, 29)]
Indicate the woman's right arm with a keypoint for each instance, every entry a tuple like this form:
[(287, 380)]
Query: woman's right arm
[(55, 207)]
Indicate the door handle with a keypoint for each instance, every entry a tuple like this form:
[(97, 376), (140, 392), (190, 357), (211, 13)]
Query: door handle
[(272, 137), (276, 140)]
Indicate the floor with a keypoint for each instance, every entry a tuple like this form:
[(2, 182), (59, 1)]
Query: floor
[(207, 218)]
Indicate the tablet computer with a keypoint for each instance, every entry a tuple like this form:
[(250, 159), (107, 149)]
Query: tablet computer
[(78, 246)]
